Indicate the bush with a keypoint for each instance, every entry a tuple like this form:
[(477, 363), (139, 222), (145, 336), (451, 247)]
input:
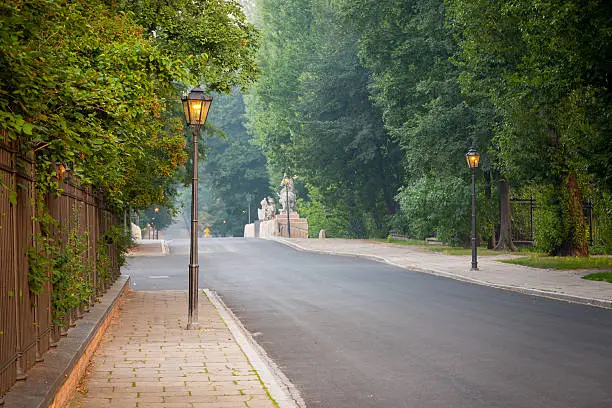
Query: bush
[(602, 234), (437, 206)]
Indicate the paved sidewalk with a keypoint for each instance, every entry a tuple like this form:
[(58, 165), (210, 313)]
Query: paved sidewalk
[(556, 284), (148, 359)]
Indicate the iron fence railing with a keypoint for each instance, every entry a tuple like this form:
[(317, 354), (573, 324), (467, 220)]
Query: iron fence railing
[(27, 330)]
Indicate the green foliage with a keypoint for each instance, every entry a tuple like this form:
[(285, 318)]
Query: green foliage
[(71, 276), (104, 266), (544, 67), (437, 207), (84, 85), (334, 220), (406, 46), (160, 219), (312, 116), (120, 239), (211, 38), (45, 249), (602, 214)]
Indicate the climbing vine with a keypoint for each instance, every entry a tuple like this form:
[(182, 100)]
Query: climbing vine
[(59, 256)]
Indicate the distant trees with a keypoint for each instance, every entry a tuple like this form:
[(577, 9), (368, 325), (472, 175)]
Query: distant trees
[(366, 100), (234, 170), (313, 118)]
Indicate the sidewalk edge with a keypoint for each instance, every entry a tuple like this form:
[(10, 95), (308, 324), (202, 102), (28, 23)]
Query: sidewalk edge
[(53, 382), (279, 386), (601, 303)]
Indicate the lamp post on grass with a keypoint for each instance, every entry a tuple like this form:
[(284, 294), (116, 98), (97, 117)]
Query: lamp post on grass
[(473, 157), (195, 107)]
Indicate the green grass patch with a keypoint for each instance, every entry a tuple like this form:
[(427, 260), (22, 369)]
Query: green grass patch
[(464, 251), (563, 262), (599, 276), (399, 241)]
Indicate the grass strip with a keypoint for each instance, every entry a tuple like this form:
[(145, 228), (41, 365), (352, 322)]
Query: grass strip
[(563, 262), (400, 241), (599, 276)]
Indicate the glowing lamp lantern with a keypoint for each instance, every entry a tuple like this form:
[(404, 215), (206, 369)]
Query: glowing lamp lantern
[(195, 107), (473, 158)]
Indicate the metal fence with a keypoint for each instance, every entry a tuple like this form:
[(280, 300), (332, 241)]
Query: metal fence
[(26, 326), (523, 210)]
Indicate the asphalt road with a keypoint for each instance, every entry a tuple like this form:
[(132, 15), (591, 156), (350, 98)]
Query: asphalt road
[(355, 333)]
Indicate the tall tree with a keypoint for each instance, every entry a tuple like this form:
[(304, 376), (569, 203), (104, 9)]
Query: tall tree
[(544, 66), (407, 47)]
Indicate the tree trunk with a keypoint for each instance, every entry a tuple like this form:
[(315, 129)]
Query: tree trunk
[(574, 238), (505, 219)]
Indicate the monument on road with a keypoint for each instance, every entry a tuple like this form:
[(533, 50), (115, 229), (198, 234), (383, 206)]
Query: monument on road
[(273, 224)]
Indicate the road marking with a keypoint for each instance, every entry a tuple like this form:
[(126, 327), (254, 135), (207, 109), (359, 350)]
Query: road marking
[(158, 277)]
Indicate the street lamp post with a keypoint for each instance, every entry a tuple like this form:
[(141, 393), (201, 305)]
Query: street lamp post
[(195, 107), (249, 197), (473, 157), (157, 227), (286, 181)]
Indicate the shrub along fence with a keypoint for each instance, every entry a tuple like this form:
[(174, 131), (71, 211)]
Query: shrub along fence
[(53, 263)]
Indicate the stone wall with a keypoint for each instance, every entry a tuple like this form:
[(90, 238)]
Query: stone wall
[(277, 227), (249, 231)]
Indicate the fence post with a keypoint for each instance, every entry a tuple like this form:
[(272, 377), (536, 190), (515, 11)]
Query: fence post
[(20, 375)]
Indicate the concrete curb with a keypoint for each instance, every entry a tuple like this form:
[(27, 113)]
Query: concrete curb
[(53, 382), (280, 388), (601, 303)]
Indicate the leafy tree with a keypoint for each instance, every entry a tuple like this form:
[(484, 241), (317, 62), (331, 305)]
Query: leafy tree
[(85, 87), (211, 38), (407, 47), (543, 66)]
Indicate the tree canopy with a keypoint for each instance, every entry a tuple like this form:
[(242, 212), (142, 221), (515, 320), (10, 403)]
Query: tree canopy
[(367, 100), (86, 86)]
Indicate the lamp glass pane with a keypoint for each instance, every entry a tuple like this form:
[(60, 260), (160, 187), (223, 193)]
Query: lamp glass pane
[(186, 111), (198, 110)]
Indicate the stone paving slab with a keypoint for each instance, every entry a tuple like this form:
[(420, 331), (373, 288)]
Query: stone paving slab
[(556, 284), (148, 359)]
